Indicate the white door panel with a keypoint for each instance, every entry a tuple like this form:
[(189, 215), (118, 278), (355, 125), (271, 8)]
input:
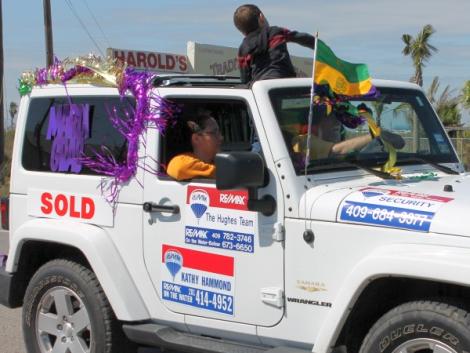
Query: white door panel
[(214, 258)]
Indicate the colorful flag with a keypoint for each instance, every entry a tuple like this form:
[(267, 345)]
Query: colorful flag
[(344, 78)]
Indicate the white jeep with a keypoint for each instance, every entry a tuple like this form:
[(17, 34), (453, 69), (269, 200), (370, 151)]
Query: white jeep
[(275, 254)]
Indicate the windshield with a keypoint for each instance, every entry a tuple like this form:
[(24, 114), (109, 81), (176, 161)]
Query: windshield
[(405, 119)]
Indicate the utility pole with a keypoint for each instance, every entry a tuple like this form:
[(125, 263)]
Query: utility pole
[(2, 129), (48, 32)]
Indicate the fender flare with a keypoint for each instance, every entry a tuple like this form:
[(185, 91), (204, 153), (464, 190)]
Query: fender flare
[(424, 262), (98, 248)]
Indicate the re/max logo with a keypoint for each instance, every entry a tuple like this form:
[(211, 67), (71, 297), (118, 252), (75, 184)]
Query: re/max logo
[(232, 199)]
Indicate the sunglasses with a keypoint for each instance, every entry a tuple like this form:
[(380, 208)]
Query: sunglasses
[(213, 132)]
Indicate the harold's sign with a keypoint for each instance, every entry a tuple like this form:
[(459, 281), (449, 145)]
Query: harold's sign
[(203, 59), (153, 61)]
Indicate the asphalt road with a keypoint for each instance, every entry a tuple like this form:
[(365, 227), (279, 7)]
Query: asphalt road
[(11, 338), (10, 331), (3, 241)]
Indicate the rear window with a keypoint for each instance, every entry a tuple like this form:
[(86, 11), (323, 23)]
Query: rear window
[(59, 129)]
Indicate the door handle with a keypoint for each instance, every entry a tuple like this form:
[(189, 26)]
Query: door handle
[(153, 207)]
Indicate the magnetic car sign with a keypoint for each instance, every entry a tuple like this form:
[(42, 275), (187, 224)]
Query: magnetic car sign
[(198, 279), (219, 219), (391, 208)]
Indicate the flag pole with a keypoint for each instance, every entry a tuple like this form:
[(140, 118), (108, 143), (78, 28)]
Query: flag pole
[(310, 111)]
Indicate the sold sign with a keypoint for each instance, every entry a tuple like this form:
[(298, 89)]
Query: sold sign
[(60, 205)]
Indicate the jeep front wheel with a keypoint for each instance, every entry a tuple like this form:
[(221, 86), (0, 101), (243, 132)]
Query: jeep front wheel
[(420, 327), (66, 310)]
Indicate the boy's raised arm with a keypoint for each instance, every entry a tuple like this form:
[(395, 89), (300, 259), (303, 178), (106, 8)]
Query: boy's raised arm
[(304, 39)]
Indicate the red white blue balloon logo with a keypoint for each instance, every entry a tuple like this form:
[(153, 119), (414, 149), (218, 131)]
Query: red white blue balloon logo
[(173, 262), (199, 201)]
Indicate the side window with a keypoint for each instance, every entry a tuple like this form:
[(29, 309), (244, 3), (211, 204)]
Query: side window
[(232, 116), (96, 132)]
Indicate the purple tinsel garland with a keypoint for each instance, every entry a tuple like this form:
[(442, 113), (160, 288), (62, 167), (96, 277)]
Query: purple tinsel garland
[(150, 111), (55, 72)]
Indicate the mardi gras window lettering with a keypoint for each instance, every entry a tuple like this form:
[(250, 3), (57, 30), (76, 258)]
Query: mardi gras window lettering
[(57, 132), (69, 127)]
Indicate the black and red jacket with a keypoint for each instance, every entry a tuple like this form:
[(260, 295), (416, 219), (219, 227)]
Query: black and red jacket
[(263, 53)]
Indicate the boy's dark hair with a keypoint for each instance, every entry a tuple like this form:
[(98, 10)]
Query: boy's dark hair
[(246, 18)]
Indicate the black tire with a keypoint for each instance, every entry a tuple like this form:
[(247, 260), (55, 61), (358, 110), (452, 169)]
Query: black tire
[(65, 300), (418, 326)]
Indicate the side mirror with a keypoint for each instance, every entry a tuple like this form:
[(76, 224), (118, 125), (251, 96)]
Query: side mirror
[(244, 170), (239, 170)]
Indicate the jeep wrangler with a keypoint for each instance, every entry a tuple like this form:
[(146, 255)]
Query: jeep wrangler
[(276, 254)]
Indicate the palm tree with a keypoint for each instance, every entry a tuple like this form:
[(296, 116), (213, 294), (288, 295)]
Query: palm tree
[(378, 108), (446, 105), (466, 95), (420, 51)]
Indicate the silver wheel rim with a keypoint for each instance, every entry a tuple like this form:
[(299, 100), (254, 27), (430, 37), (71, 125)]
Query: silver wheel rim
[(424, 345), (62, 323)]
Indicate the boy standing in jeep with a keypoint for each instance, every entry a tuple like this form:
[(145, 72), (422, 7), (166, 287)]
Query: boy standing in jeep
[(263, 54)]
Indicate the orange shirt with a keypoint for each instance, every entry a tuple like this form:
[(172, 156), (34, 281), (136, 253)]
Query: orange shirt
[(187, 166)]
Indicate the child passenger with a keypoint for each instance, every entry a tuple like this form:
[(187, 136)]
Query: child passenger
[(263, 53)]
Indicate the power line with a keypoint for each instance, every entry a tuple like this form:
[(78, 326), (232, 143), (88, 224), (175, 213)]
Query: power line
[(69, 3), (97, 23)]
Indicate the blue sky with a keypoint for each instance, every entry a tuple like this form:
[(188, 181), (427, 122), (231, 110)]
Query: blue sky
[(366, 31)]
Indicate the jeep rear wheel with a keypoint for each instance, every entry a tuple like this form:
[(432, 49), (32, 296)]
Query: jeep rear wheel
[(420, 327), (65, 310)]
